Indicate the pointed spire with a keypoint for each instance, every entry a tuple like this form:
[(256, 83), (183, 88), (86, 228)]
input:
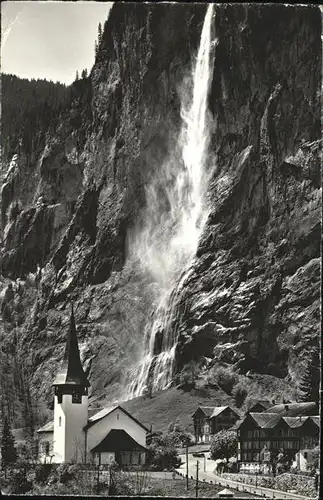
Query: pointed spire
[(71, 372)]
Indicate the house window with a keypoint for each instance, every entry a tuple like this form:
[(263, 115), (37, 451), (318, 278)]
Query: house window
[(76, 397), (60, 421), (305, 454), (206, 429)]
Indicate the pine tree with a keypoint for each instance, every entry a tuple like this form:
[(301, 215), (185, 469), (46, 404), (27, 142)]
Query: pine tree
[(8, 450), (84, 73), (96, 48), (77, 76), (100, 34)]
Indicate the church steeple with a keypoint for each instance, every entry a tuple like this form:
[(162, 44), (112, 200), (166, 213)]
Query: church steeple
[(71, 371), (70, 401)]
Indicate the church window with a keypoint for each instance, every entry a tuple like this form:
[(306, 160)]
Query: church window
[(117, 416), (76, 397), (59, 397), (60, 421)]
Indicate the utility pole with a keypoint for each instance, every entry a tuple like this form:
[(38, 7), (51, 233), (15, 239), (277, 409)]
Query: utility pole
[(186, 465), (197, 479), (98, 475), (204, 463)]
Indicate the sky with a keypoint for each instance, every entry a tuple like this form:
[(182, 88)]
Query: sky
[(50, 39)]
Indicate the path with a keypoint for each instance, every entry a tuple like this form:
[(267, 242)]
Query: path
[(206, 474)]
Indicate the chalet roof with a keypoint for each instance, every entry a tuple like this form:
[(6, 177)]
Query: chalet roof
[(316, 419), (266, 420), (118, 440), (293, 409), (217, 410), (207, 410), (212, 411), (71, 371), (294, 422)]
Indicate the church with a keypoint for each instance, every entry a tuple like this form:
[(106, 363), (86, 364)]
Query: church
[(109, 435)]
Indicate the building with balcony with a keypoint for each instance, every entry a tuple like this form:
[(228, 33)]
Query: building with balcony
[(262, 435), (209, 420)]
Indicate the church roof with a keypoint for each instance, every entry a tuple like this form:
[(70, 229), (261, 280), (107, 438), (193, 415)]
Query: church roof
[(71, 371), (106, 411), (49, 427), (94, 417), (102, 413), (118, 440)]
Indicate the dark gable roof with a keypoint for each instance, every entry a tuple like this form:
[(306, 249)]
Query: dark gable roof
[(316, 419), (271, 420), (264, 404), (71, 371), (265, 420), (213, 411), (293, 409), (118, 440), (220, 409), (207, 410), (294, 422)]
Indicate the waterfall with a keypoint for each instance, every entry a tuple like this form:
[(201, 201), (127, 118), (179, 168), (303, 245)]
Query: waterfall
[(175, 216)]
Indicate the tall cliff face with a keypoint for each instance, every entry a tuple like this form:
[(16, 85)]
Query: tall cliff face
[(252, 294)]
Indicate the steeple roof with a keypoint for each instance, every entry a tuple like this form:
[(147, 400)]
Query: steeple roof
[(71, 371)]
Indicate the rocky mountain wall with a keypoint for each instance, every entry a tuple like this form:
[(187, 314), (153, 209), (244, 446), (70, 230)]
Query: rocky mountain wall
[(252, 295)]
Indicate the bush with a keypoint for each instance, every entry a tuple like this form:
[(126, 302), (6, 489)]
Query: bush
[(65, 473), (225, 379), (162, 453), (42, 472), (19, 483), (224, 445), (239, 393)]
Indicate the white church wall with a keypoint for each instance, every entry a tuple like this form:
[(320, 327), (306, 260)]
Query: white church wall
[(117, 419), (69, 421)]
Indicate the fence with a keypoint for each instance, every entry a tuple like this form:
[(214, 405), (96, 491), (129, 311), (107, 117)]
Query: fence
[(248, 488)]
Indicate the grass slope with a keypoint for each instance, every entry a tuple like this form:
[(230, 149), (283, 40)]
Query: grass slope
[(166, 406)]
